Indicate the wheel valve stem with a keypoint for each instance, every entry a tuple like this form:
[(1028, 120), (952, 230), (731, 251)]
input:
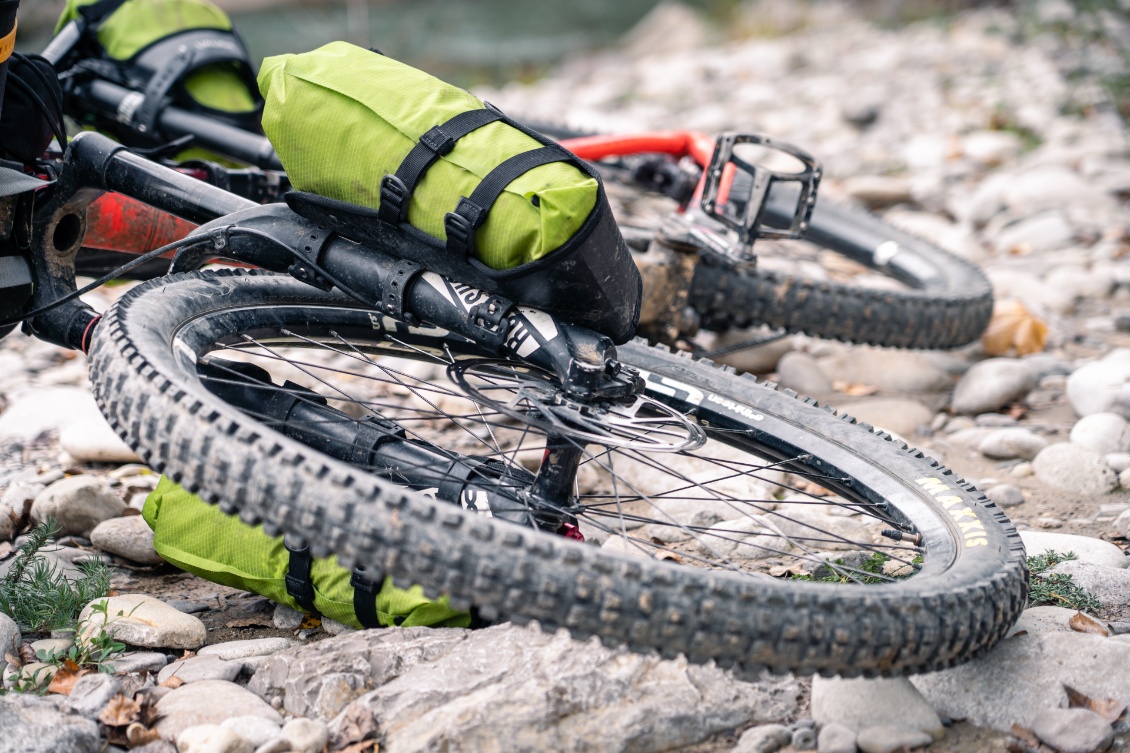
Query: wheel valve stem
[(913, 538)]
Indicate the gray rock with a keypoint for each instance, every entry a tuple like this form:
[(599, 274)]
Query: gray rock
[(1005, 495), (878, 191), (1087, 548), (91, 440), (890, 739), (765, 738), (760, 360), (1103, 433), (33, 724), (804, 738), (137, 661), (836, 738), (278, 745), (1118, 461), (898, 415), (91, 694), (199, 668), (801, 372), (1069, 467), (41, 410), (899, 372), (1073, 730), (1041, 232), (1122, 524), (1110, 585), (1102, 386), (1124, 479), (15, 503), (1025, 675), (992, 384), (493, 684), (208, 702), (9, 634), (1007, 444), (990, 148), (1041, 620), (306, 735), (243, 649), (254, 729), (78, 504), (129, 537), (285, 618), (140, 620), (862, 703), (333, 627), (211, 738)]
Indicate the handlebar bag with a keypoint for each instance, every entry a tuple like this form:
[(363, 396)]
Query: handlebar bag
[(179, 51), (372, 142), (198, 538)]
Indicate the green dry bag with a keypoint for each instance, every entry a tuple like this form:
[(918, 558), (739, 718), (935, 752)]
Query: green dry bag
[(196, 537), (367, 140)]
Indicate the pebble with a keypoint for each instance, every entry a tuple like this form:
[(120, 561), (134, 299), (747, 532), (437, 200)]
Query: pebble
[(199, 668), (836, 738), (278, 745), (140, 620), (1074, 469), (1022, 470), (254, 729), (864, 703), (129, 537), (765, 738), (40, 410), (1046, 619), (801, 372), (1087, 548), (91, 694), (1104, 433), (285, 618), (890, 739), (992, 384), (878, 191), (1118, 461), (138, 661), (1047, 522), (1110, 585), (211, 738), (1121, 524), (231, 650), (9, 634), (1005, 495), (32, 724), (1035, 234), (1007, 444), (1124, 479), (897, 415), (78, 504), (91, 440), (893, 372), (990, 148), (306, 735), (1075, 730), (208, 702), (1102, 386), (804, 738)]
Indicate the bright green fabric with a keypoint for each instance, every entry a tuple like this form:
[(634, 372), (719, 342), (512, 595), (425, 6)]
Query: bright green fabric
[(198, 538), (342, 117), (139, 23)]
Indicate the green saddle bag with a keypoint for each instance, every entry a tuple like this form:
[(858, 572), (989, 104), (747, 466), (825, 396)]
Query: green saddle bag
[(196, 537), (371, 142)]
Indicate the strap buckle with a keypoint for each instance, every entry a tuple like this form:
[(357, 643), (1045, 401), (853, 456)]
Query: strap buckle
[(437, 140), (393, 208), (461, 225)]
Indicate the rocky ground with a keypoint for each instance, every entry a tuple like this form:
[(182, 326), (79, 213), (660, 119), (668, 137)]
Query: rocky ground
[(981, 132)]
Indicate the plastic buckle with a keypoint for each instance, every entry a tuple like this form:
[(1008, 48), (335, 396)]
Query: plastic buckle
[(394, 200), (361, 582), (438, 141), (460, 226), (719, 184)]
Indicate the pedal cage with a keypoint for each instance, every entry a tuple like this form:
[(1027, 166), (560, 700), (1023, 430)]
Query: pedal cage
[(719, 182)]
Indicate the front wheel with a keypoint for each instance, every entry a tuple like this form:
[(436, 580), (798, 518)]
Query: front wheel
[(738, 523)]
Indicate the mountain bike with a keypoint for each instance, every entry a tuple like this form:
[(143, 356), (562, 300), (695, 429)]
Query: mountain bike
[(711, 282)]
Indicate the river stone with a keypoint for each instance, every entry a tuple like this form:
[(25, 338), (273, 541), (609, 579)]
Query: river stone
[(46, 409), (493, 684), (199, 668), (1008, 444), (764, 738), (1087, 548), (890, 738), (92, 440), (91, 694), (897, 415), (136, 661), (861, 703), (836, 738), (254, 729), (1035, 234), (801, 372), (1110, 585), (129, 537), (1040, 620), (140, 620), (892, 371), (1019, 678), (246, 648), (1103, 433), (1074, 469), (760, 360), (1102, 386), (208, 702), (878, 191), (1076, 730), (78, 504), (992, 384), (1005, 495), (306, 735), (990, 148), (32, 724), (9, 634), (211, 738)]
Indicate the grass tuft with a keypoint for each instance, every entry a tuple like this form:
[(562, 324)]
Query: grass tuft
[(1057, 589)]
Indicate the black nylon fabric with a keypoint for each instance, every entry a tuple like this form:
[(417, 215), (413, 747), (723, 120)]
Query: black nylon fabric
[(32, 110)]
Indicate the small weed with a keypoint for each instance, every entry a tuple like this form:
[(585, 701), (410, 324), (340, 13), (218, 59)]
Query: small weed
[(872, 565), (93, 651), (1057, 589), (36, 593)]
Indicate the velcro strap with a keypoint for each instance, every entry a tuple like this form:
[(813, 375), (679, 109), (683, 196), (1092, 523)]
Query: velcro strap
[(365, 598), (472, 212), (435, 143), (298, 582)]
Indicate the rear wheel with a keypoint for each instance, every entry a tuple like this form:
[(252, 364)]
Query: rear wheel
[(739, 523)]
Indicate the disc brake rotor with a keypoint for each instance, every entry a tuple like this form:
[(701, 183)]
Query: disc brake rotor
[(535, 397)]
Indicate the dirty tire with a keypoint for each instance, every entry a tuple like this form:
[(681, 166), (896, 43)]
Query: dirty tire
[(970, 590)]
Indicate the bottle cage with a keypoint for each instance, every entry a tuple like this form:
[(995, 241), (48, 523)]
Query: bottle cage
[(743, 211)]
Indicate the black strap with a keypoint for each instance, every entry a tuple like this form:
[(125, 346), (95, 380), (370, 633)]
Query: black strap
[(365, 599), (438, 141), (472, 212), (298, 582)]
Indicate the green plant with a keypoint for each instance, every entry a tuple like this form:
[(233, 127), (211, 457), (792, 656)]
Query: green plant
[(1057, 589), (38, 595), (873, 565), (95, 650)]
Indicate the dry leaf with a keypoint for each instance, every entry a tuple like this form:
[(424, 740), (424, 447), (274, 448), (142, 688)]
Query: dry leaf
[(671, 556), (1109, 709), (64, 680), (1081, 623), (854, 390), (1013, 327), (14, 660), (310, 622), (173, 682), (27, 655), (138, 734), (119, 712)]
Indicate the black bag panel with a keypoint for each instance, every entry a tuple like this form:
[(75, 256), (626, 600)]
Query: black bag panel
[(32, 110)]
